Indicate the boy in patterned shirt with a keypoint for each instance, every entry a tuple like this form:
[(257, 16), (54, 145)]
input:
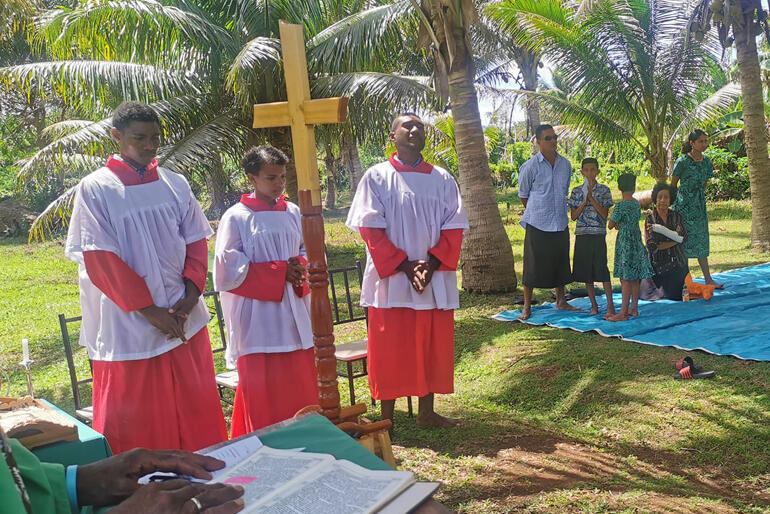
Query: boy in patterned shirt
[(589, 204)]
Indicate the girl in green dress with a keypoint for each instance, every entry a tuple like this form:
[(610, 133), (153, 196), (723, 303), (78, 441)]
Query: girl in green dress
[(692, 170), (631, 262)]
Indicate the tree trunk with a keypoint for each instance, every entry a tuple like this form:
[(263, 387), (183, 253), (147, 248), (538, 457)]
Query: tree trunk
[(351, 160), (528, 66), (282, 141), (217, 183), (330, 200), (487, 256), (754, 135), (656, 154)]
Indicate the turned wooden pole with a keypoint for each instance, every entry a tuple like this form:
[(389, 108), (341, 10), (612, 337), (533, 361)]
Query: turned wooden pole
[(320, 307)]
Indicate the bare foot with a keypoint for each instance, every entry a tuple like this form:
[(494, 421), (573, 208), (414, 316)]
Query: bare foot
[(634, 312), (566, 307), (525, 314), (618, 317), (609, 315), (436, 420), (594, 311), (715, 284)]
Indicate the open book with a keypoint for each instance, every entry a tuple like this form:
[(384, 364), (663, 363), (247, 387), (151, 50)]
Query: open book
[(285, 481), (296, 482)]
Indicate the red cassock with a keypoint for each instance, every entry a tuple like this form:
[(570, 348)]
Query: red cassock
[(272, 385), (410, 352), (168, 401)]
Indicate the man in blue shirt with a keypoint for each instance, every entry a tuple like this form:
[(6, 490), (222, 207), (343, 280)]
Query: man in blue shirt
[(543, 186)]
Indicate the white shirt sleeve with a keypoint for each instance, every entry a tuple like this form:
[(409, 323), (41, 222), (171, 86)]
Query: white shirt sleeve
[(90, 228), (367, 209), (231, 265)]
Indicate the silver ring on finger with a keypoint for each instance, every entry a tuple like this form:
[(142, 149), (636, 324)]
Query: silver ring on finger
[(198, 505)]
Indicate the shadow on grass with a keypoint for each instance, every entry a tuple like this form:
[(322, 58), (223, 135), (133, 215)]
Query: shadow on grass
[(611, 405)]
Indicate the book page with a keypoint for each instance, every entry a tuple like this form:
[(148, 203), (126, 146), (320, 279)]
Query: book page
[(341, 487), (233, 454), (268, 472)]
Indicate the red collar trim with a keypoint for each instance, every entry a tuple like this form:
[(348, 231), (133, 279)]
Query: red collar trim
[(259, 205), (128, 175), (423, 167)]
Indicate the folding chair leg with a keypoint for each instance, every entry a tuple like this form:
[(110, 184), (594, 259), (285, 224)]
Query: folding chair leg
[(350, 383), (409, 406)]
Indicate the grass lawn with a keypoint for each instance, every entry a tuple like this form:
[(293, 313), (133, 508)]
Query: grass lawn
[(554, 420)]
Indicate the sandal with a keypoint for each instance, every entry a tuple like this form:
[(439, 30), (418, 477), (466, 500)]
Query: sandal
[(683, 363), (693, 371)]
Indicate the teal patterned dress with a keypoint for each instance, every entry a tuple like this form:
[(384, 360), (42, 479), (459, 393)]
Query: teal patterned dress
[(631, 261), (691, 203)]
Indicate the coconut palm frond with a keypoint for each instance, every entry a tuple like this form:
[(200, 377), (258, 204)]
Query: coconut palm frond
[(87, 83), (90, 139), (256, 65), (370, 39), (222, 134), (146, 30), (592, 124), (709, 110), (63, 128), (54, 218)]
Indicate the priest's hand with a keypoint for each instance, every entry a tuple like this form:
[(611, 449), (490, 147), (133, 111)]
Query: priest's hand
[(108, 481), (167, 323), (295, 272), (182, 497)]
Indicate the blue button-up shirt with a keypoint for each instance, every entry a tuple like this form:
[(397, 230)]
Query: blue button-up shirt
[(546, 189)]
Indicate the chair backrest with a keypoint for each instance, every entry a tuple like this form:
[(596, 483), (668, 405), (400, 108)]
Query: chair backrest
[(344, 308), (74, 381), (216, 314)]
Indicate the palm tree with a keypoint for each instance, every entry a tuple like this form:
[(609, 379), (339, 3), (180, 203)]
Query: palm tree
[(635, 72), (201, 66), (446, 32), (740, 22)]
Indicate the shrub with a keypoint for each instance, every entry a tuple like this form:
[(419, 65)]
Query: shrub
[(731, 176), (504, 174)]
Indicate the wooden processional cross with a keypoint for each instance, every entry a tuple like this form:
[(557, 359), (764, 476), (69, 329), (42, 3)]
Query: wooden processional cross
[(301, 113)]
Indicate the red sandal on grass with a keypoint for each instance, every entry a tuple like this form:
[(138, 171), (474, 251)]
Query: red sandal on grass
[(687, 370)]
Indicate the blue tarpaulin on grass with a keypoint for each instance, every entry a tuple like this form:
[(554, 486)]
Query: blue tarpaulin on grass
[(736, 321)]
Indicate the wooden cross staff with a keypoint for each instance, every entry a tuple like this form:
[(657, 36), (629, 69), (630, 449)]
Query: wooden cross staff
[(302, 113)]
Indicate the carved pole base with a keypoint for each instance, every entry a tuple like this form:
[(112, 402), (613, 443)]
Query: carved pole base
[(320, 307)]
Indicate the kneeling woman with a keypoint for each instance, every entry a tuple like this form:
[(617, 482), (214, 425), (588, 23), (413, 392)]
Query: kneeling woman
[(665, 234), (260, 270)]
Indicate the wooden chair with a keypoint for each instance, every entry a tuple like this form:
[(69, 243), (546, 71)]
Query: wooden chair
[(227, 379), (83, 413), (345, 311)]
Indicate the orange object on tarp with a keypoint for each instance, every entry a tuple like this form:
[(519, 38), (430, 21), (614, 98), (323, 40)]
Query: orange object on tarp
[(698, 290)]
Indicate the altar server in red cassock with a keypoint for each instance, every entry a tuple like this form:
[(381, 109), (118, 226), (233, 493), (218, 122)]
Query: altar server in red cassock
[(260, 270), (411, 217), (139, 237)]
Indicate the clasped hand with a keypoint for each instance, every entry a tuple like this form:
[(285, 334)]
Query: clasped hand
[(295, 272), (171, 321), (419, 272)]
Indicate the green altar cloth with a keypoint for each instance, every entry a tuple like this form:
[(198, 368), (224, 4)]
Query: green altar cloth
[(90, 446), (316, 434)]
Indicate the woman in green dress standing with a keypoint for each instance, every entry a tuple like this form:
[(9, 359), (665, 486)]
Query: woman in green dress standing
[(691, 171)]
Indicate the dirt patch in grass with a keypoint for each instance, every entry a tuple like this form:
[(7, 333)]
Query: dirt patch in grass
[(542, 371), (533, 471)]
